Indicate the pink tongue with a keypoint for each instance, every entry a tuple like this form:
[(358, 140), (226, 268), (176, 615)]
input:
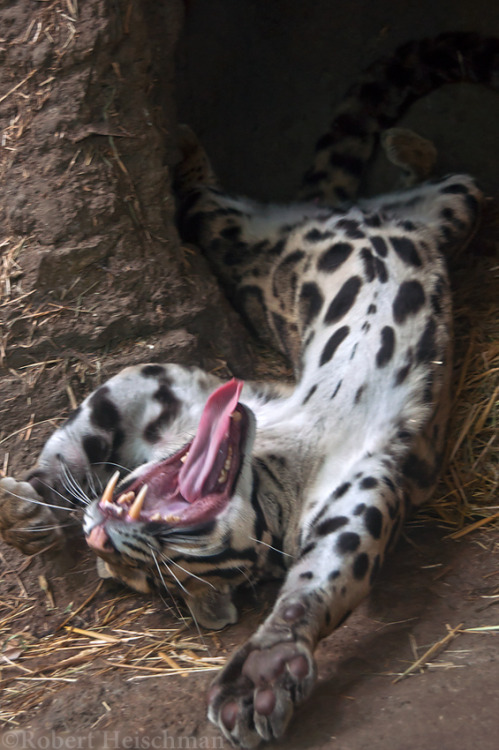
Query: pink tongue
[(213, 430)]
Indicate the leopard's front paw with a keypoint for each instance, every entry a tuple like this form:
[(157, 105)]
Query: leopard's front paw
[(254, 697), (25, 521)]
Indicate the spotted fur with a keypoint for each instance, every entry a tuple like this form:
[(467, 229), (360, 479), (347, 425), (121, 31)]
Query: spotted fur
[(357, 297)]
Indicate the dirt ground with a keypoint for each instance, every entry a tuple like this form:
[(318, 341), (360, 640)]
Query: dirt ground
[(94, 277)]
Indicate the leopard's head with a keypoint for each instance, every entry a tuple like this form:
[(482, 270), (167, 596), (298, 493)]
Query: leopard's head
[(186, 520)]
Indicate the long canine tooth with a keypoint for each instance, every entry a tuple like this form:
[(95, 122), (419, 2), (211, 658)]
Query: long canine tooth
[(107, 495), (136, 508), (126, 498)]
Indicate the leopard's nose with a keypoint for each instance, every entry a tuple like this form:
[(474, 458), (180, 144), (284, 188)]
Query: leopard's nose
[(98, 539)]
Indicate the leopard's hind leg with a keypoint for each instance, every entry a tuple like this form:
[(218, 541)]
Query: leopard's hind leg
[(244, 241)]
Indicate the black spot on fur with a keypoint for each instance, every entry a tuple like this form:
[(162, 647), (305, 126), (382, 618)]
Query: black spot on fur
[(351, 228), (368, 261), (380, 246), (334, 575), (402, 373), (334, 256), (165, 395), (333, 343), (96, 448), (368, 483), (310, 301), (454, 189), (152, 371), (372, 220), (292, 258), (336, 390), (426, 349), (373, 519), (307, 576), (360, 566), (344, 300), (372, 309), (315, 235), (385, 352), (277, 249), (308, 549), (330, 525), (154, 430), (406, 250), (359, 509), (422, 473), (341, 490), (309, 395), (104, 413), (381, 270), (348, 541), (118, 440), (409, 300)]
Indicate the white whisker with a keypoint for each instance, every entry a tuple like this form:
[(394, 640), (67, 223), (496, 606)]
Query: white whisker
[(164, 582), (190, 573), (71, 484), (259, 541), (40, 502)]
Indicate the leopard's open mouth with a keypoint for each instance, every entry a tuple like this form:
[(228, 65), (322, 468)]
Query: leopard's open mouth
[(193, 486)]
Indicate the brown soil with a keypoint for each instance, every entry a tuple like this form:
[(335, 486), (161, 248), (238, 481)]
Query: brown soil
[(94, 278)]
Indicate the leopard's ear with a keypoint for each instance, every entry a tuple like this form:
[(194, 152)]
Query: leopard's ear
[(212, 609)]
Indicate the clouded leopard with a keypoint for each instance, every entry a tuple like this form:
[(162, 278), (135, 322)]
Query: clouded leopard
[(311, 481)]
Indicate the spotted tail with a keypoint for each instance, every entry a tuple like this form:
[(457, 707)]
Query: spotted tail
[(379, 98)]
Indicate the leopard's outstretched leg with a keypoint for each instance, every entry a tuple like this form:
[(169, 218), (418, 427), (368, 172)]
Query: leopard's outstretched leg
[(341, 547)]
